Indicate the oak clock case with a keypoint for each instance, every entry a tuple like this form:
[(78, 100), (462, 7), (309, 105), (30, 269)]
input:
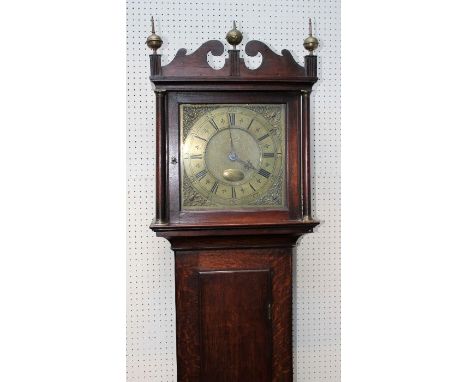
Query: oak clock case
[(233, 197)]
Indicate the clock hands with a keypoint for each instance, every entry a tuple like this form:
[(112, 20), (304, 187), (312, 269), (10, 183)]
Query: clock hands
[(247, 165), (233, 155), (234, 158), (232, 143)]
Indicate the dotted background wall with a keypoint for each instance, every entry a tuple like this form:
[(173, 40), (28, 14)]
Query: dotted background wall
[(150, 291)]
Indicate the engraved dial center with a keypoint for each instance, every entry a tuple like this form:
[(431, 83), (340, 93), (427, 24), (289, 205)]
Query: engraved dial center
[(232, 166)]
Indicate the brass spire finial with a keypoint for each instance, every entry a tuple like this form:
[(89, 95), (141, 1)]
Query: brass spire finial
[(234, 36), (310, 43), (153, 41)]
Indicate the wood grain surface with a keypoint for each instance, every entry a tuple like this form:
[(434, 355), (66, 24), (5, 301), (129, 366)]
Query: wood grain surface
[(235, 325), (190, 310)]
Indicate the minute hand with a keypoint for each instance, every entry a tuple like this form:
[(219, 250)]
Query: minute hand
[(232, 143)]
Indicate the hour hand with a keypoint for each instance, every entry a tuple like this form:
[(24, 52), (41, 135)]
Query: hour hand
[(247, 165)]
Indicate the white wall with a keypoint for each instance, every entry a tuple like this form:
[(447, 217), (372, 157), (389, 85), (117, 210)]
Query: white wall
[(150, 291)]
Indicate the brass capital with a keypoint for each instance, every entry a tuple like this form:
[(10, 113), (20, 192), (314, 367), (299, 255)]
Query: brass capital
[(159, 222), (307, 218)]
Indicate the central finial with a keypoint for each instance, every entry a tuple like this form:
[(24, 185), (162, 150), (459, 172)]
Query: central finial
[(310, 43), (234, 36), (153, 41)]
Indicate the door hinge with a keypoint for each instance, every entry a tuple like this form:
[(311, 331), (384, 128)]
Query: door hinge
[(269, 311)]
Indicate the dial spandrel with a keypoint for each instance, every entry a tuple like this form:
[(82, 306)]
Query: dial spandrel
[(232, 156)]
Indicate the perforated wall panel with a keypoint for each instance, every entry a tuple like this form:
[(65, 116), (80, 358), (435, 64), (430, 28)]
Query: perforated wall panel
[(151, 310)]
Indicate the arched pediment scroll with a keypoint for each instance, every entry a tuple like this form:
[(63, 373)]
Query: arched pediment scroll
[(195, 67), (273, 65), (196, 64)]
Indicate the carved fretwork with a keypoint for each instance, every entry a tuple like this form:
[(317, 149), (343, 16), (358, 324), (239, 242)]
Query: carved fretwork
[(196, 64), (273, 67)]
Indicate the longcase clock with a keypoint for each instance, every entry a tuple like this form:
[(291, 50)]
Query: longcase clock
[(233, 186)]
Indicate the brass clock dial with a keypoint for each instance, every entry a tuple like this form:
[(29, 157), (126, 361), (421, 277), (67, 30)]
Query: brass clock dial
[(232, 156)]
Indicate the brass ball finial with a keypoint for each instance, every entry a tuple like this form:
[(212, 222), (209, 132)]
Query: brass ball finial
[(153, 41), (310, 43), (234, 36)]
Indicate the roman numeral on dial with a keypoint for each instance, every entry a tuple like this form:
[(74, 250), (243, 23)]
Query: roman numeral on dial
[(268, 155), (215, 187), (263, 137), (213, 123), (201, 174), (232, 119), (233, 193), (198, 156), (264, 173), (203, 139)]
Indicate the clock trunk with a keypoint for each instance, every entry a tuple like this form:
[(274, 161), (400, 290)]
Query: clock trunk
[(234, 311)]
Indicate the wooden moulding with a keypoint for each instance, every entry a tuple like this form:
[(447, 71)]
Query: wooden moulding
[(195, 66), (310, 63), (161, 137), (155, 64), (305, 156)]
